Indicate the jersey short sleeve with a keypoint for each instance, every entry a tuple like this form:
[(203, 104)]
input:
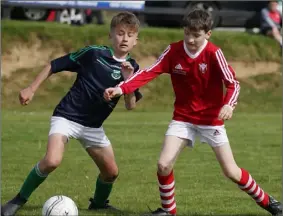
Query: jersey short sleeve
[(72, 61)]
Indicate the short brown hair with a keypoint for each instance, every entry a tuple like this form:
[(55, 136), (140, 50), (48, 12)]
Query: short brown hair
[(125, 18), (197, 20)]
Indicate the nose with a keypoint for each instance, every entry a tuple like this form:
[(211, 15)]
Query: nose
[(191, 40), (125, 38)]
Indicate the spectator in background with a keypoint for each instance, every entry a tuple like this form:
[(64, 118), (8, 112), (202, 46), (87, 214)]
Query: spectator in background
[(271, 21)]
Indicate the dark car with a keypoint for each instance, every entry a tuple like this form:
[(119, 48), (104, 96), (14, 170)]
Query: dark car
[(68, 16), (225, 13)]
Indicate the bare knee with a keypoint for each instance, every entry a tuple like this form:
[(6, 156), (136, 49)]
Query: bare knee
[(110, 175), (47, 165), (164, 168)]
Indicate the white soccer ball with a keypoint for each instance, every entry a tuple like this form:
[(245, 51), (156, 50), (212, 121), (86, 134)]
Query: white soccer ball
[(60, 206)]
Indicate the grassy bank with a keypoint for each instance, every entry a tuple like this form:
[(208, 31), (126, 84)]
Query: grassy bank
[(262, 93), (237, 46)]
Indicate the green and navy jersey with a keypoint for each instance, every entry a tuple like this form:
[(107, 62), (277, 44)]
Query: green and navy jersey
[(97, 69)]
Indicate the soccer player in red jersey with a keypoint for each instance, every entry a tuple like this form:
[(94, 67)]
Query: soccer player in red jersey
[(198, 70)]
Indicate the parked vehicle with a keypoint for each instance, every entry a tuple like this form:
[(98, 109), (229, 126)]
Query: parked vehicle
[(68, 15), (71, 12), (225, 13)]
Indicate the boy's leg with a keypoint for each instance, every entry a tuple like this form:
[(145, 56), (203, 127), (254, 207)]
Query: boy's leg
[(105, 160), (38, 174), (244, 180), (216, 137), (178, 135), (172, 147), (99, 148)]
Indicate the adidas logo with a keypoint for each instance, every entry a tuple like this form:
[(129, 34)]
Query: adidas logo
[(178, 67), (216, 132)]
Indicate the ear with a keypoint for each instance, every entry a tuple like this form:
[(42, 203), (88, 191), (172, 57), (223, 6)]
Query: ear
[(136, 41), (208, 34)]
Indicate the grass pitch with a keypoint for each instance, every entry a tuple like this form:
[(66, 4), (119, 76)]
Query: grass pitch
[(201, 188)]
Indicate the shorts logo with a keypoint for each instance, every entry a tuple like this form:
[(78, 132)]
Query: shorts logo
[(202, 67), (216, 132), (116, 74)]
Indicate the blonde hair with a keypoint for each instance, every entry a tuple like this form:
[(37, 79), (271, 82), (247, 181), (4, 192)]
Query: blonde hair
[(125, 18)]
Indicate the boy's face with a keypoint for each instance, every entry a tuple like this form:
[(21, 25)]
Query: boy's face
[(195, 39), (123, 38)]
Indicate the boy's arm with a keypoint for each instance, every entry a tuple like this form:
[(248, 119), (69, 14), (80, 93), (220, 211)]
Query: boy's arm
[(142, 77), (132, 98), (27, 94), (73, 61), (231, 83), (127, 70), (41, 77), (69, 62), (63, 63)]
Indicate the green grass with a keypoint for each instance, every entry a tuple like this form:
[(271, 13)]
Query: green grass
[(235, 45), (201, 189), (255, 131)]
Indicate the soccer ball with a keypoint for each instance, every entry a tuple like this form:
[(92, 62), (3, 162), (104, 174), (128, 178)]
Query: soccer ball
[(60, 206)]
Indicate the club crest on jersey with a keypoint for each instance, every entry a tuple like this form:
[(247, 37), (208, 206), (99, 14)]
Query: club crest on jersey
[(202, 67), (116, 74)]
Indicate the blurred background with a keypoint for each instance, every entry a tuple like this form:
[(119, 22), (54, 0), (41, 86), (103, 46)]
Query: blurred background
[(237, 15)]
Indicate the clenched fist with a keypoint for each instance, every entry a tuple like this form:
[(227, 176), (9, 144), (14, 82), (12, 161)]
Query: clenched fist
[(110, 93), (26, 95)]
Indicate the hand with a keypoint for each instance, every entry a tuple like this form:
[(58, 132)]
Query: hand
[(226, 112), (26, 96), (127, 69), (110, 93)]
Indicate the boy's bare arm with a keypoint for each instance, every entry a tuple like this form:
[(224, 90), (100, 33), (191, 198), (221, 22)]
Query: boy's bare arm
[(130, 99), (41, 77), (26, 95)]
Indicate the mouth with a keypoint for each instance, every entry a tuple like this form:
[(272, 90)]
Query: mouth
[(123, 45)]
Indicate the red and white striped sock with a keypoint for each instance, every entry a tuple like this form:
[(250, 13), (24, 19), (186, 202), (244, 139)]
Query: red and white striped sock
[(248, 184), (167, 193)]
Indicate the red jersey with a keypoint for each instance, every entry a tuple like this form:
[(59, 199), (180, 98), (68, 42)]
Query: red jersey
[(197, 81)]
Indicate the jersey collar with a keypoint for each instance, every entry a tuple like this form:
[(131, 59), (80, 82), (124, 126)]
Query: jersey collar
[(197, 53), (118, 59)]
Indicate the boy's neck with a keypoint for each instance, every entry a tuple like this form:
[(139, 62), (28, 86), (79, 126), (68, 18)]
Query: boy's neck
[(119, 56), (195, 53)]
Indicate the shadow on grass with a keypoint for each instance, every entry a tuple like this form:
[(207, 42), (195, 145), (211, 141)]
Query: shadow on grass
[(129, 213)]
